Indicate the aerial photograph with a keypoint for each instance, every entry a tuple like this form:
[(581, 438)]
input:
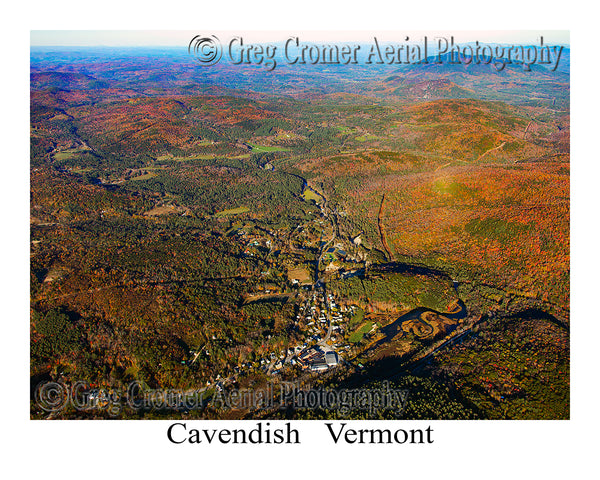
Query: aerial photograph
[(236, 226)]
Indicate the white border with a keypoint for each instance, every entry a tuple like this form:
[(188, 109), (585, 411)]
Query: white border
[(462, 449)]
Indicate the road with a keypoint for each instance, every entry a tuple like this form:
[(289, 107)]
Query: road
[(490, 150), (382, 232), (324, 341)]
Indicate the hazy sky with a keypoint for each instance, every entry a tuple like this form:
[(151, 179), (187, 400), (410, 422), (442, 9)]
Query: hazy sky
[(182, 37)]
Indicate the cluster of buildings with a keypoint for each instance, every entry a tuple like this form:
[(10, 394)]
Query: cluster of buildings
[(316, 359)]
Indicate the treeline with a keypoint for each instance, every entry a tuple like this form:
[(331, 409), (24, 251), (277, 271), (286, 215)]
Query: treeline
[(215, 189), (511, 368), (402, 290), (407, 398)]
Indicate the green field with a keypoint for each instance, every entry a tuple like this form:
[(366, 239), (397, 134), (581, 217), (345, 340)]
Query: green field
[(207, 156), (309, 195), (145, 176), (262, 148), (364, 138), (81, 171), (163, 158), (357, 318), (358, 334), (232, 211), (66, 154)]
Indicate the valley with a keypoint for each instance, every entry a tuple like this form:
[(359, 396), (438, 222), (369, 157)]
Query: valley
[(215, 230)]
